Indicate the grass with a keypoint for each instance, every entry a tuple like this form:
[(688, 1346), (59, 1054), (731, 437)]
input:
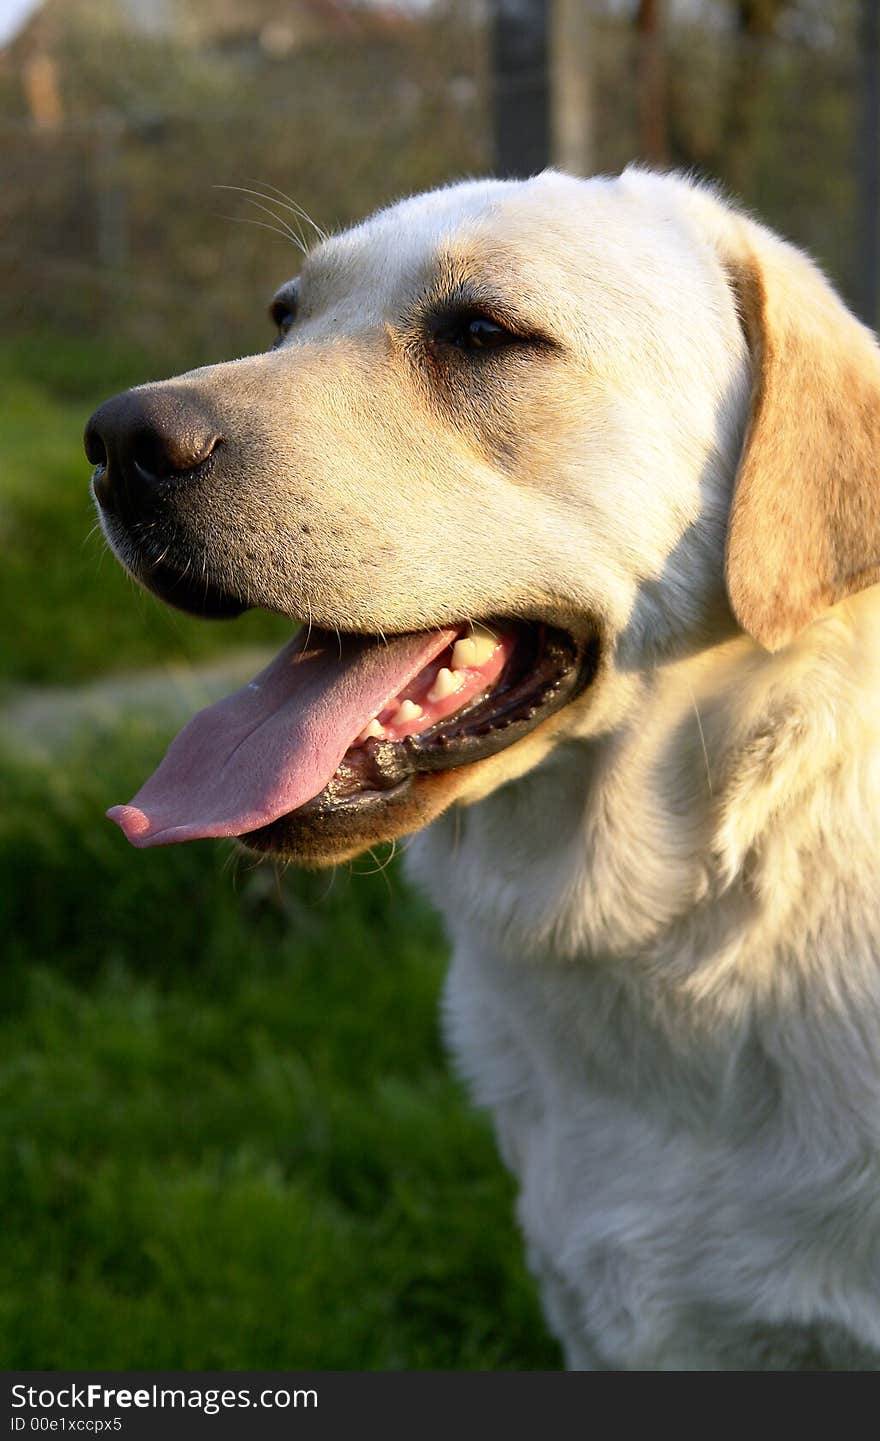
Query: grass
[(229, 1135), (228, 1132)]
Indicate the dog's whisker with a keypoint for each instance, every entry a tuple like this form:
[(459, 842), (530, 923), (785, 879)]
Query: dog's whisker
[(295, 235), (249, 220), (481, 625), (702, 737), (232, 866), (290, 204), (273, 212), (381, 866)]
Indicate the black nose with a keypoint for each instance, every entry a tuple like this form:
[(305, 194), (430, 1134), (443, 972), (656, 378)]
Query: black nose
[(145, 437)]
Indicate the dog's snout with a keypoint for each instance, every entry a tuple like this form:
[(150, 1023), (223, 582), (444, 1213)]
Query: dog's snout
[(145, 437)]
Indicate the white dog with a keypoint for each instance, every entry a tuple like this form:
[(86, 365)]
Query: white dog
[(575, 483)]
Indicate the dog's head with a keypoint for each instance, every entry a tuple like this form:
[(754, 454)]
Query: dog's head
[(515, 441)]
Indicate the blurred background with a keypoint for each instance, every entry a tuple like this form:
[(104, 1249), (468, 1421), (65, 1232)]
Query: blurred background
[(229, 1135)]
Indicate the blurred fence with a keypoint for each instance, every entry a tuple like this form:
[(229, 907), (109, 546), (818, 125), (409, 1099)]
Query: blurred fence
[(109, 225), (108, 218)]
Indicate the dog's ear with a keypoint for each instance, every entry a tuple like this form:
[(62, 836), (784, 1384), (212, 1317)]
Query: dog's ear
[(804, 528)]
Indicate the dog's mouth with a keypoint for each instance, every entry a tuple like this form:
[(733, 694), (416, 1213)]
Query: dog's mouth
[(337, 724)]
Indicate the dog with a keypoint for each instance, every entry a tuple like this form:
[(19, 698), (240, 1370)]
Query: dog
[(572, 487)]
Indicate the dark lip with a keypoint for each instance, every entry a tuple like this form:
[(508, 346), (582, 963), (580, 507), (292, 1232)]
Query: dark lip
[(199, 598), (175, 587), (548, 670)]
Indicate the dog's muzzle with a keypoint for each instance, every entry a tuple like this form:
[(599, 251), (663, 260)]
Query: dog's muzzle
[(156, 453)]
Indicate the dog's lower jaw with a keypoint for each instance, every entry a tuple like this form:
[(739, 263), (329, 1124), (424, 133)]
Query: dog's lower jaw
[(324, 833)]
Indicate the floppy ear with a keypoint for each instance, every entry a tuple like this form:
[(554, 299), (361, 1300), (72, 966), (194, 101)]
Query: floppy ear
[(804, 528)]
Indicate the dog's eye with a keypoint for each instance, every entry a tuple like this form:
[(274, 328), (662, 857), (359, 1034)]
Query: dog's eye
[(283, 313), (476, 332)]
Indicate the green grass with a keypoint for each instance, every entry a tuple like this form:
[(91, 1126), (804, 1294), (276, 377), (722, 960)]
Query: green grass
[(229, 1134)]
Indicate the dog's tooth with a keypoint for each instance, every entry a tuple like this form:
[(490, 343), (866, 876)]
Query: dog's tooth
[(484, 645), (464, 653), (372, 731), (406, 711), (447, 683)]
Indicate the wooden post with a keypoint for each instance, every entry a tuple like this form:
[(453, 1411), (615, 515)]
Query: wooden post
[(651, 81), (571, 92), (520, 88), (869, 161)]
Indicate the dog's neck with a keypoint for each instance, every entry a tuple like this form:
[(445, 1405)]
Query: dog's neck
[(698, 848)]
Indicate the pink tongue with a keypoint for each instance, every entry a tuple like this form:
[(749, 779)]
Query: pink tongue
[(275, 743)]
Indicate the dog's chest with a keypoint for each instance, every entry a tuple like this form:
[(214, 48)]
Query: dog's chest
[(659, 1237)]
